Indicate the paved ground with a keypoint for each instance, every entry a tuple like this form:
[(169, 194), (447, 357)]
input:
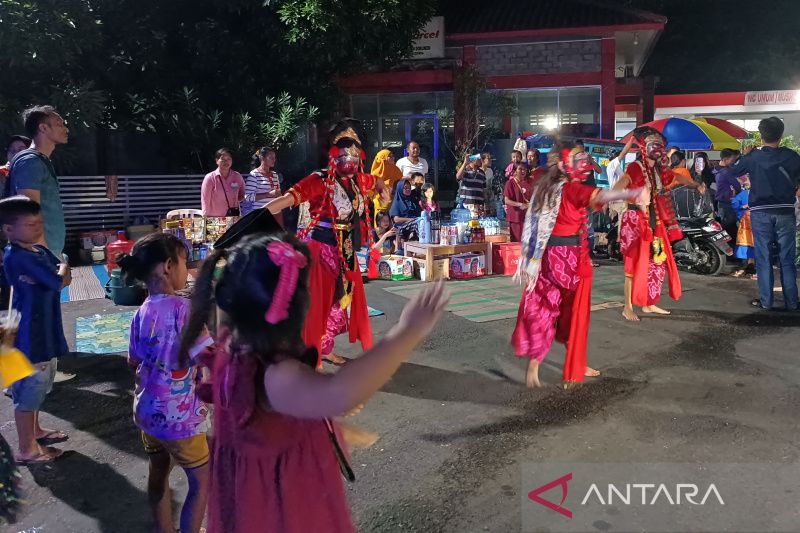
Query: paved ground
[(716, 381)]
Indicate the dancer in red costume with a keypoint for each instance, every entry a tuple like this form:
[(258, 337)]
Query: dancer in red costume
[(556, 268), (649, 226), (339, 207)]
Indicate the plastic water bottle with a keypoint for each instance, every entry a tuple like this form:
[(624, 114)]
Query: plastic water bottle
[(424, 228)]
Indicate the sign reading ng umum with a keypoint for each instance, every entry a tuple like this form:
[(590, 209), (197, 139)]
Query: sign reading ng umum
[(771, 98)]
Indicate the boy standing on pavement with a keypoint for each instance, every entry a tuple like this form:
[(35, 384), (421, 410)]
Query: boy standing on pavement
[(37, 277)]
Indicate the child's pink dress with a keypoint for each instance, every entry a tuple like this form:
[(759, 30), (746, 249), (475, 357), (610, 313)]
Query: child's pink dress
[(269, 472)]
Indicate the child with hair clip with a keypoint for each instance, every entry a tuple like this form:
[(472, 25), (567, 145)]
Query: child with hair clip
[(276, 462), (166, 407)]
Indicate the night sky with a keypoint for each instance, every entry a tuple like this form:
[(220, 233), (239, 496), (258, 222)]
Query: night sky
[(726, 45)]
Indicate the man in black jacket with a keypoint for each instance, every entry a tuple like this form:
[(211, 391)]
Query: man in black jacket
[(774, 175)]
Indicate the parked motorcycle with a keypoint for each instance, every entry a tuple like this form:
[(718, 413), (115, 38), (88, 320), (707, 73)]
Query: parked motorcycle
[(704, 248)]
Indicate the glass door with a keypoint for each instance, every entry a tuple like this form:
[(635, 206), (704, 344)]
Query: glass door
[(424, 129)]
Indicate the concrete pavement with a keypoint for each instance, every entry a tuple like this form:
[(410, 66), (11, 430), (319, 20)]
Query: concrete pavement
[(717, 381)]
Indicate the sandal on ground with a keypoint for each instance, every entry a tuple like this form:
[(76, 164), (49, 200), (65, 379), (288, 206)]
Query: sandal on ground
[(38, 459), (334, 363), (53, 437)]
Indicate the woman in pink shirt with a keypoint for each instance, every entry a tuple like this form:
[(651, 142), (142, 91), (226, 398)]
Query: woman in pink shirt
[(223, 189)]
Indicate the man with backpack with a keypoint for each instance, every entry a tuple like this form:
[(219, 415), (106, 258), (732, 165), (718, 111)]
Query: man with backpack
[(774, 174), (32, 173)]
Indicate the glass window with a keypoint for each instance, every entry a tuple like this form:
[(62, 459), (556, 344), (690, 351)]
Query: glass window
[(538, 110), (365, 109), (579, 110), (573, 111)]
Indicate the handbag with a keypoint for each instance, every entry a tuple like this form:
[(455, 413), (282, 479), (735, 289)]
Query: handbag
[(232, 211)]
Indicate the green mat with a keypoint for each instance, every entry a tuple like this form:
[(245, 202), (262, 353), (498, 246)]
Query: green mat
[(103, 334), (497, 297)]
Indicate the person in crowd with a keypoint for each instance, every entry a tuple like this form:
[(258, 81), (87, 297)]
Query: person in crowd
[(596, 168), (486, 166), (32, 173), (36, 276), (274, 441), (412, 162), (555, 267), (417, 181), (535, 168), (728, 187), (385, 169), (263, 183), (15, 145), (649, 225), (223, 189), (744, 236), (166, 407), (338, 198), (517, 194), (797, 225), (405, 213), (614, 171), (774, 173), (472, 182), (703, 172), (516, 157), (592, 182), (384, 235), (672, 150), (520, 144), (427, 201)]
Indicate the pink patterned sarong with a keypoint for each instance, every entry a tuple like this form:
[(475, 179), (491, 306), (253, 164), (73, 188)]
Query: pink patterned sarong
[(545, 311)]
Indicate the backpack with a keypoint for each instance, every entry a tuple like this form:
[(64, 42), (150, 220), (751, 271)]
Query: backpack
[(7, 190)]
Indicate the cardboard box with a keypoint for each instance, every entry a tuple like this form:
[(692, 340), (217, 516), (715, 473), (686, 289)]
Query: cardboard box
[(465, 266), (395, 268), (505, 258), (441, 269)]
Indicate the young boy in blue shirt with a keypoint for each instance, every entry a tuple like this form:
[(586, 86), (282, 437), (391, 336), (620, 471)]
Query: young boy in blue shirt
[(37, 277)]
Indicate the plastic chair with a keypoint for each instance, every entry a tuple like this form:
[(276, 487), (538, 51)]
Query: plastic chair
[(184, 213)]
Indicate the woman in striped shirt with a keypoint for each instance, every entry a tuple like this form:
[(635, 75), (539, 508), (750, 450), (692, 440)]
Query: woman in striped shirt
[(262, 184)]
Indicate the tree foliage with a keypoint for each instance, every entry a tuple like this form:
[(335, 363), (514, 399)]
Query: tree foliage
[(206, 71)]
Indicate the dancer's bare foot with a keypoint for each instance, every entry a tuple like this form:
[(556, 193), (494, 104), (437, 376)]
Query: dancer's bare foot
[(591, 372), (532, 375), (334, 359), (655, 310), (629, 314)]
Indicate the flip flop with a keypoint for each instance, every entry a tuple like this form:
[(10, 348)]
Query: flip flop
[(54, 437), (38, 459)]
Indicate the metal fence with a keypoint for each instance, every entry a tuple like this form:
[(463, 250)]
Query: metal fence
[(87, 207)]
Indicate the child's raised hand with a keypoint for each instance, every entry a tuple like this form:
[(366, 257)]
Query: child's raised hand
[(422, 313)]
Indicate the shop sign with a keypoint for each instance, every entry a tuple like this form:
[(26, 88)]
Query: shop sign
[(755, 98), (429, 42)]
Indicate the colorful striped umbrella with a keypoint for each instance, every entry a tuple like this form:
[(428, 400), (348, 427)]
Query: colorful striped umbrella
[(689, 135), (728, 127)]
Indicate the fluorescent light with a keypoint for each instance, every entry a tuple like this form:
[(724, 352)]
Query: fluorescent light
[(550, 123)]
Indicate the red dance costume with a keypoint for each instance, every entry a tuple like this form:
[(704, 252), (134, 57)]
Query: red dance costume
[(269, 472), (558, 305), (338, 207), (645, 239)]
